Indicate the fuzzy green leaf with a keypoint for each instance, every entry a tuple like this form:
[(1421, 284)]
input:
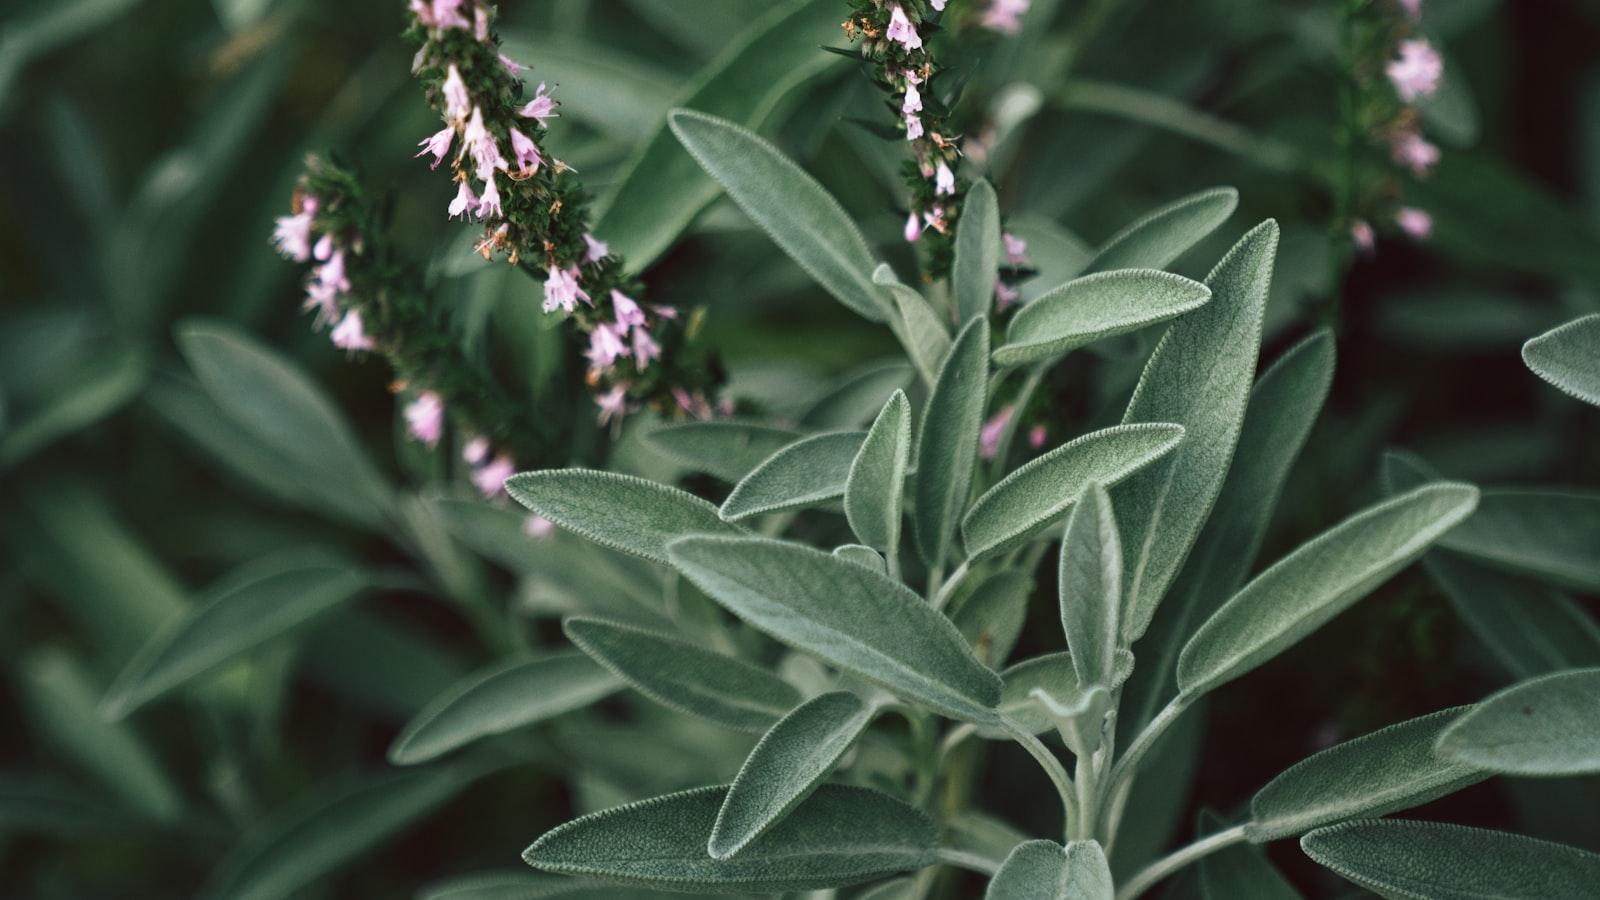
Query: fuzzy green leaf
[(1407, 860), (991, 613), (1373, 775), (1053, 672), (846, 614), (1039, 493), (1544, 726), (947, 442), (1569, 357), (837, 836), (1199, 377), (1045, 870), (925, 337), (678, 674), (1090, 586), (1552, 535), (1317, 581), (724, 448), (874, 490), (791, 760), (977, 254), (789, 205), (862, 555), (502, 698), (1096, 307), (617, 511), (858, 396), (808, 472), (1163, 235)]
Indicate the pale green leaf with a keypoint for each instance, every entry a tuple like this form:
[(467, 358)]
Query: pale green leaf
[(991, 613), (793, 757), (678, 674), (1406, 860), (1545, 726), (1162, 235), (788, 204), (1053, 672), (1199, 377), (837, 836), (1373, 775), (1090, 586), (919, 328), (947, 442), (1552, 535), (502, 698), (617, 511), (977, 253), (846, 614), (1096, 307), (808, 472), (1045, 870), (1569, 357), (725, 448), (875, 487), (858, 396), (1040, 492), (862, 555), (1317, 581)]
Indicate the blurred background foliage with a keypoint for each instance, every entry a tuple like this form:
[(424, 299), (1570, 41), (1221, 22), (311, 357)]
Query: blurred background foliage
[(148, 146)]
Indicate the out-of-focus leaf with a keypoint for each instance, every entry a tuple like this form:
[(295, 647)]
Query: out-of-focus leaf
[(1552, 535), (1057, 254), (1569, 358), (727, 449), (379, 665), (992, 613), (1096, 307), (33, 804), (858, 396), (947, 443), (1162, 235), (88, 395), (1545, 726), (512, 884), (875, 487), (1045, 870), (50, 26), (808, 472), (617, 511), (977, 254), (619, 93), (1528, 628), (1242, 872)]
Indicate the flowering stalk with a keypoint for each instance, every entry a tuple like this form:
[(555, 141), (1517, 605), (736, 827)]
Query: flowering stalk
[(535, 214)]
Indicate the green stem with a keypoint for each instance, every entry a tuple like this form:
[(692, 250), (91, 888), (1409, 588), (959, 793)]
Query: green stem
[(1165, 866), (1128, 765), (1052, 767), (970, 861), (948, 589)]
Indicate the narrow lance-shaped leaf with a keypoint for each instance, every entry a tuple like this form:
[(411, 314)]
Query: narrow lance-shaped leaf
[(678, 674), (1552, 535), (726, 449), (788, 204), (875, 487), (1569, 358), (1318, 581), (808, 472), (977, 253), (1094, 308), (1045, 870), (1407, 860), (1040, 492), (785, 767), (837, 836), (1090, 586), (925, 338), (1199, 377), (1544, 726), (501, 698), (947, 443), (1162, 235), (849, 615), (617, 511), (1373, 775)]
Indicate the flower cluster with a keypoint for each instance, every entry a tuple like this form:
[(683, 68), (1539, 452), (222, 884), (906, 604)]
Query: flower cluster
[(533, 211)]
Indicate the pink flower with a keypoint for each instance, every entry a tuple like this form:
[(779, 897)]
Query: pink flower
[(665, 312), (492, 476), (292, 236), (1004, 295), (541, 107), (1418, 70), (526, 152), (561, 290), (605, 345), (1016, 249), (324, 247), (476, 450), (1036, 436), (597, 248), (693, 404), (993, 430), (944, 180), (613, 404), (438, 144), (464, 202), (538, 527), (1414, 152), (480, 24), (913, 101), (913, 228), (1005, 16), (489, 203), (482, 145), (447, 14), (1415, 222), (425, 417), (511, 65), (645, 347), (330, 275), (350, 335), (914, 130), (1362, 234), (628, 312), (901, 30), (457, 102), (324, 300), (424, 13), (938, 5), (1413, 8)]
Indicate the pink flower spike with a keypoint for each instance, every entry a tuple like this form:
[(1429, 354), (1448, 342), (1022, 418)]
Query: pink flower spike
[(645, 347), (944, 180), (526, 152), (628, 312), (447, 15), (492, 477), (476, 450), (464, 203), (350, 335), (324, 247), (457, 102), (331, 273), (561, 290), (993, 430), (438, 144), (597, 248), (489, 203), (901, 30), (913, 228), (613, 404), (511, 65), (605, 345), (538, 527), (541, 107), (1417, 72), (425, 417), (1036, 436), (292, 236), (913, 101), (914, 130), (1415, 222), (1016, 249), (1362, 234), (480, 24), (1412, 150), (693, 404)]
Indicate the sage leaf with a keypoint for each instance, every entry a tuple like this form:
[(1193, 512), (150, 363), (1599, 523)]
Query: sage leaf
[(1045, 870), (858, 396), (808, 472), (1528, 628), (1040, 492), (1408, 860), (680, 675), (977, 254), (1373, 775), (1316, 582), (1163, 235), (525, 885), (502, 698), (617, 511), (724, 448), (947, 442), (1053, 672), (790, 761), (837, 836), (1545, 726), (875, 487), (925, 337), (846, 614), (1090, 586), (1199, 377), (862, 555), (1095, 307), (990, 615), (789, 205), (1569, 357), (1552, 535)]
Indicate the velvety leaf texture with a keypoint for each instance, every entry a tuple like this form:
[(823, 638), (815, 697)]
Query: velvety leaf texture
[(788, 204), (1096, 307), (793, 757), (837, 836), (1040, 492), (676, 673), (992, 614), (723, 448), (925, 337), (1045, 870), (1317, 581), (1055, 673), (1545, 726), (617, 511), (1090, 586), (499, 699), (1569, 358), (846, 614), (811, 471), (875, 487), (977, 256), (1407, 860), (1161, 236), (947, 444), (1373, 775), (859, 396), (1199, 377)]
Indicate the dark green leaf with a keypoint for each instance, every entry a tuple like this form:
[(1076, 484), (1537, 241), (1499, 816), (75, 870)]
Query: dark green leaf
[(1545, 726), (977, 254)]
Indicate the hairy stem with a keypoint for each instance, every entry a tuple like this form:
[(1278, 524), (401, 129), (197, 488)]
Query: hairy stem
[(1052, 767)]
